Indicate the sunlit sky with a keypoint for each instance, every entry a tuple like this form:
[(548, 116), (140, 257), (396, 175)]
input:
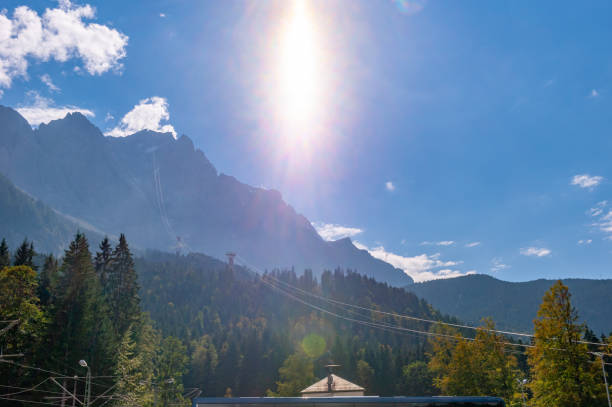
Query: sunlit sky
[(446, 137)]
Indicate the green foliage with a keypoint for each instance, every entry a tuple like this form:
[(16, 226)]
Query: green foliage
[(563, 371), (296, 373), (25, 254), (5, 255), (48, 279), (171, 366), (19, 301), (418, 380)]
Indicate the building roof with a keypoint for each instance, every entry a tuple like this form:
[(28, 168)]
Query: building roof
[(338, 385)]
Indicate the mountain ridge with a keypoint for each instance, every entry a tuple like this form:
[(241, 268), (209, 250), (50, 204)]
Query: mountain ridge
[(164, 193), (514, 305)]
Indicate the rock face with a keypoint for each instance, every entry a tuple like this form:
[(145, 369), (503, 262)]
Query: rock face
[(164, 193)]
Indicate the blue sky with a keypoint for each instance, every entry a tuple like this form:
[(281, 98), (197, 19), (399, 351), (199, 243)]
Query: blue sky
[(432, 125)]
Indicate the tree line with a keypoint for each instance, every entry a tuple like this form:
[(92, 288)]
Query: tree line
[(160, 324)]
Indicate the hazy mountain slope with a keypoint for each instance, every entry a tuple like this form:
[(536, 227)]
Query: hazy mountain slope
[(22, 216), (515, 305), (164, 193)]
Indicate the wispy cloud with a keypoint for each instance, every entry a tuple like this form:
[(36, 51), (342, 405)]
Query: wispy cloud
[(389, 186), (330, 231), (586, 180), (472, 244), (535, 251), (162, 15), (585, 242), (44, 110), (422, 267), (441, 243), (598, 209), (148, 114), (46, 79), (497, 264), (59, 34), (594, 93)]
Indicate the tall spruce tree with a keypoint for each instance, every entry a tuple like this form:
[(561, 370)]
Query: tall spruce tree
[(563, 372), (102, 263), (81, 327), (47, 280), (5, 255), (25, 254), (123, 288)]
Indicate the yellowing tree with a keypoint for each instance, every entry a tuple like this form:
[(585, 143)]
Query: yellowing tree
[(478, 367), (563, 371)]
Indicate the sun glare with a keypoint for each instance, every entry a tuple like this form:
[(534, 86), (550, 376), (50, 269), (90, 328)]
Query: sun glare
[(299, 74)]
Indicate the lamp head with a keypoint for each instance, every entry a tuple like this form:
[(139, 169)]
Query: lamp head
[(82, 363)]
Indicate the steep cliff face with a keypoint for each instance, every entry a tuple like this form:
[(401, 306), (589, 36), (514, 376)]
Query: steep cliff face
[(164, 194)]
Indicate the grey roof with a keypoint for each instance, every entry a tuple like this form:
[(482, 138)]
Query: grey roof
[(338, 385)]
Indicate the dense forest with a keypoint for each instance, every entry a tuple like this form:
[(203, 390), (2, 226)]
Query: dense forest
[(161, 328)]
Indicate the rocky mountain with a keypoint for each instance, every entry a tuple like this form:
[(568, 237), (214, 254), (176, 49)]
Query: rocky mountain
[(165, 194), (513, 306)]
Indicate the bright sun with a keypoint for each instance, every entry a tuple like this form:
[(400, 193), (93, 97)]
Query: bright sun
[(299, 70)]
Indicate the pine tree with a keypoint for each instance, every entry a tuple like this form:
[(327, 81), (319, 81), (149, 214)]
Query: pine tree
[(171, 366), (5, 255), (563, 372), (296, 373), (25, 254), (47, 280), (123, 288)]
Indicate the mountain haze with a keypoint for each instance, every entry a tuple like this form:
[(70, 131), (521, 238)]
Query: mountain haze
[(165, 194), (513, 306)]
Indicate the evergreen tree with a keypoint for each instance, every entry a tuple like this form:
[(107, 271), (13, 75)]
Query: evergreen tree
[(171, 366), (102, 263), (81, 327), (418, 380), (47, 280), (563, 372), (5, 255), (122, 293), (25, 254)]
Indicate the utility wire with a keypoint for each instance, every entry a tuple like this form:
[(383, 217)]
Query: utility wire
[(403, 316)]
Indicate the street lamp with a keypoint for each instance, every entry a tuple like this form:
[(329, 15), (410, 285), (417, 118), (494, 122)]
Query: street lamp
[(87, 382)]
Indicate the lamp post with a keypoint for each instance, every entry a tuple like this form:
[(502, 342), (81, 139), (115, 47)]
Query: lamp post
[(87, 382), (603, 371)]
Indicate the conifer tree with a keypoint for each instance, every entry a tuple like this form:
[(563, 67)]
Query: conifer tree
[(123, 288), (25, 254), (81, 325), (5, 255), (102, 263), (563, 372), (47, 280)]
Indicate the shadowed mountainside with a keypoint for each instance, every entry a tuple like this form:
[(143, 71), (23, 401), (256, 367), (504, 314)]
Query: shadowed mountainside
[(165, 194)]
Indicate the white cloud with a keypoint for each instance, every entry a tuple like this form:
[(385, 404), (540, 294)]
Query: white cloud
[(59, 34), (162, 15), (330, 231), (441, 243), (146, 115), (390, 186), (594, 93), (420, 268), (46, 79), (535, 251), (586, 180), (472, 244), (108, 117), (497, 264), (597, 209), (43, 110), (585, 242)]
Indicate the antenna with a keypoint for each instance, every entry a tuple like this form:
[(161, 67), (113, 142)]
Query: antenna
[(330, 380), (230, 260)]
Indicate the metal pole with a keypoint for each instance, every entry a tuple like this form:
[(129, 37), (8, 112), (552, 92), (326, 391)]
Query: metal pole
[(74, 391), (603, 371), (88, 384)]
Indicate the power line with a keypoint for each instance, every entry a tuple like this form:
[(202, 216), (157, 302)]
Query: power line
[(402, 315), (28, 401)]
